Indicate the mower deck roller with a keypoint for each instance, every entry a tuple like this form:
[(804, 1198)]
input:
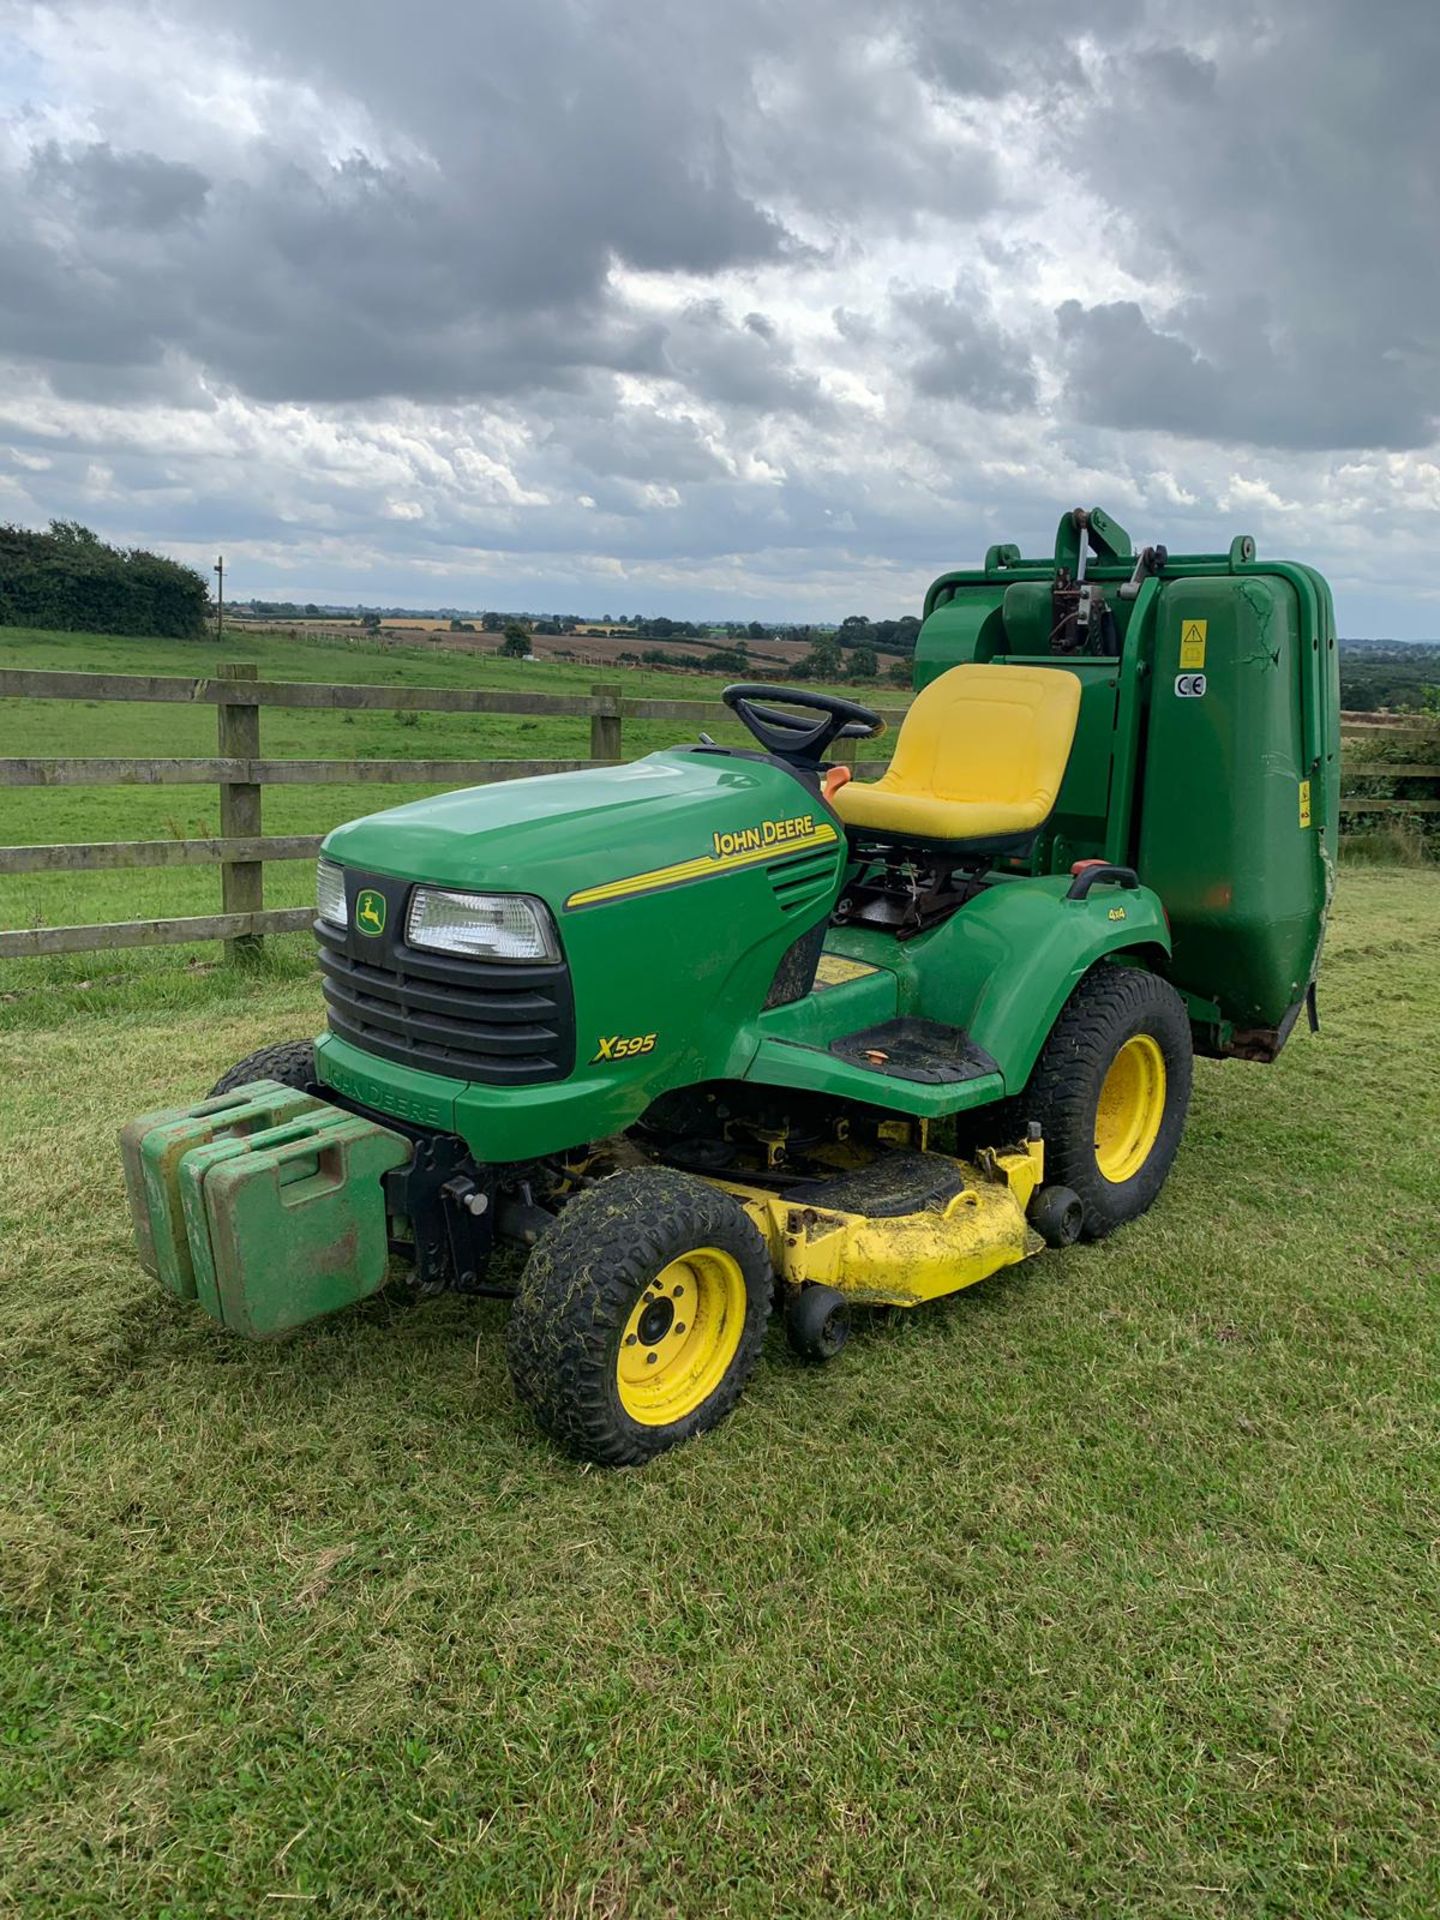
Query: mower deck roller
[(265, 1204), (728, 1029)]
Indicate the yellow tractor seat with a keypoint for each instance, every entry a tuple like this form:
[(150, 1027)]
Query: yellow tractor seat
[(980, 756)]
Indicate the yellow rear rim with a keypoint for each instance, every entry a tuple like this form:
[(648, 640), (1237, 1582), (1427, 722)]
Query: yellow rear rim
[(1132, 1106), (681, 1337)]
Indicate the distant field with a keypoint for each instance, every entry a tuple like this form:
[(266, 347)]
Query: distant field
[(38, 815), (601, 645), (1105, 1591)]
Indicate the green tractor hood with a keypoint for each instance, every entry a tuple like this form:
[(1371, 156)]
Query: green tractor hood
[(562, 834), (678, 884)]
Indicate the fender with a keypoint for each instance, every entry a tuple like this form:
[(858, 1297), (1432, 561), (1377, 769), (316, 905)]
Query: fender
[(1017, 952)]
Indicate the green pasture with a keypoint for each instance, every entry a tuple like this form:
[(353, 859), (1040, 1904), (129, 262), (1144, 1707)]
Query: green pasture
[(1108, 1588)]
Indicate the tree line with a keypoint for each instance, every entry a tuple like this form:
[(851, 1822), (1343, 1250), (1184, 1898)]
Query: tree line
[(68, 578), (1389, 674)]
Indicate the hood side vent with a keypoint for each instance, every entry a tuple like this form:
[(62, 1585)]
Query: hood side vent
[(802, 879)]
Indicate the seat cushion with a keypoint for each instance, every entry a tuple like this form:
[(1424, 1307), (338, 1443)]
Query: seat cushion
[(981, 754)]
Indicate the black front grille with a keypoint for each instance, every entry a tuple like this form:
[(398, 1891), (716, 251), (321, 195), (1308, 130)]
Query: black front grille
[(501, 1024)]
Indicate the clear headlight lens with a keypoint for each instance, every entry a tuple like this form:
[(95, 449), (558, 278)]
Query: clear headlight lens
[(482, 926), (330, 892)]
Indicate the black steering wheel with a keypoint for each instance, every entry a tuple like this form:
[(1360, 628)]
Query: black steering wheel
[(790, 736)]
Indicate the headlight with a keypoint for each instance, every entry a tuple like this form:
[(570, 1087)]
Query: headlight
[(483, 926), (330, 893)]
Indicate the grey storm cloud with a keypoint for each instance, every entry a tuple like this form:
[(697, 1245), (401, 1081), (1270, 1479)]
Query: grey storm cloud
[(745, 365), (109, 189), (827, 278), (1304, 388), (1287, 192), (962, 354)]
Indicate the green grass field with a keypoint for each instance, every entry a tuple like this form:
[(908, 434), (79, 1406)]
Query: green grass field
[(1106, 1589)]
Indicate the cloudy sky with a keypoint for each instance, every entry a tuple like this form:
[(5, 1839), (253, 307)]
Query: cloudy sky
[(766, 307)]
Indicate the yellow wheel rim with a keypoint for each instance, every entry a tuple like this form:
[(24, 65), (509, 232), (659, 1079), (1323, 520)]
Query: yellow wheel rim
[(681, 1337), (1132, 1106)]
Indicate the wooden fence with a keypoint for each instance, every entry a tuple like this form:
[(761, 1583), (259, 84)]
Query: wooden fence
[(242, 848)]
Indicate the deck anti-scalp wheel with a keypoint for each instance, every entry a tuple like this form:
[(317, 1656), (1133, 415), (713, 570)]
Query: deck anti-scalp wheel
[(640, 1316), (1110, 1091), (817, 1323)]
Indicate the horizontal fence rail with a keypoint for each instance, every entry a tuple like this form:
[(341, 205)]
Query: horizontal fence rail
[(274, 773), (320, 696), (154, 933), (105, 856), (242, 850)]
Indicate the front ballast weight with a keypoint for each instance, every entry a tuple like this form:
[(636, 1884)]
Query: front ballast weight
[(265, 1204)]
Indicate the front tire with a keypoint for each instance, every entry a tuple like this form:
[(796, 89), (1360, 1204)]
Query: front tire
[(291, 1062), (640, 1316), (1111, 1090)]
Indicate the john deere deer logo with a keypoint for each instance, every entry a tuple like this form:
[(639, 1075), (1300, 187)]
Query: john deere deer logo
[(370, 911)]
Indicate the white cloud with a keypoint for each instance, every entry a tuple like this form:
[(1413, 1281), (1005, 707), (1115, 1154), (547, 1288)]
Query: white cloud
[(756, 308)]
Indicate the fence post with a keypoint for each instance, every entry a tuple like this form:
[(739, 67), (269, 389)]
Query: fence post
[(605, 723), (242, 882)]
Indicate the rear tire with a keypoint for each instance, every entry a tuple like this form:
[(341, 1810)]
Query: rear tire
[(291, 1062), (640, 1316), (1110, 1090)]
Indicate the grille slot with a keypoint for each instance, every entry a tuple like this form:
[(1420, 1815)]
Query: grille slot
[(801, 880), (503, 1025)]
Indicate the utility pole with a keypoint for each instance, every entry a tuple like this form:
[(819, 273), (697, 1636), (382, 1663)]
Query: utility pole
[(219, 571)]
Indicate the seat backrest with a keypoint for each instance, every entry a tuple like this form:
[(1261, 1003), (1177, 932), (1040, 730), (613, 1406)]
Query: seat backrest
[(989, 733)]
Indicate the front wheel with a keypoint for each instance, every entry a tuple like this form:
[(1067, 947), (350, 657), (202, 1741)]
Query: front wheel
[(291, 1062), (640, 1316), (1110, 1090)]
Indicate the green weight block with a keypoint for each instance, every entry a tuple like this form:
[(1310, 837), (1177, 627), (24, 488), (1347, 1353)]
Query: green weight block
[(198, 1161), (153, 1147), (299, 1228)]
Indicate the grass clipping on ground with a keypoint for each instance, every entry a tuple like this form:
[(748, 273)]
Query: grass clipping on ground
[(1106, 1588)]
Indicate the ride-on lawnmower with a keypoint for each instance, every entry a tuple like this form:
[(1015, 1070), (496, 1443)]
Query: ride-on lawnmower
[(728, 1027)]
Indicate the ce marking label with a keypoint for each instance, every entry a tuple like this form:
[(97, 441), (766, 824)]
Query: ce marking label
[(1190, 686)]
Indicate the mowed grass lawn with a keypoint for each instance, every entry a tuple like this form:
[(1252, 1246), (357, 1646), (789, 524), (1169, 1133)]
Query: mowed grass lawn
[(1108, 1588)]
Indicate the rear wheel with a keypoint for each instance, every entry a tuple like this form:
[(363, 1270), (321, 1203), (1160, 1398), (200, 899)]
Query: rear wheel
[(1110, 1091), (640, 1316), (291, 1062)]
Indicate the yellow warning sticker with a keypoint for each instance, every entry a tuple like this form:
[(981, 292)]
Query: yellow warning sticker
[(834, 970), (1192, 644), (1304, 803)]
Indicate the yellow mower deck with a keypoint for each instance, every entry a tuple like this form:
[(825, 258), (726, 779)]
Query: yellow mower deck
[(903, 1259)]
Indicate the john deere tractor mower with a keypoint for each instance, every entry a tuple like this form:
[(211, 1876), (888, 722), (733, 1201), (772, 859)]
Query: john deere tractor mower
[(727, 1029)]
